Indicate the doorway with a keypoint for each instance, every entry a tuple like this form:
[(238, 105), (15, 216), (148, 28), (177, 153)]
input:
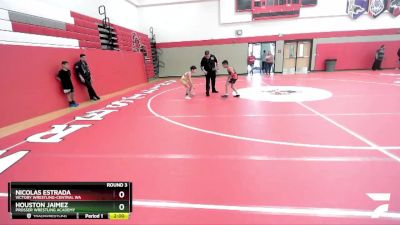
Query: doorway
[(297, 57), (259, 50), (255, 49)]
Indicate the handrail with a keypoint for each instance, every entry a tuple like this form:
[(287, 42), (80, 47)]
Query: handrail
[(155, 52), (106, 23)]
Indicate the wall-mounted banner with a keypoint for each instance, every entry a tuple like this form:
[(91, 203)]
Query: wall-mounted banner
[(377, 7), (356, 8), (394, 7), (272, 9), (267, 9)]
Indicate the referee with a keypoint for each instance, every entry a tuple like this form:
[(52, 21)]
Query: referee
[(209, 65)]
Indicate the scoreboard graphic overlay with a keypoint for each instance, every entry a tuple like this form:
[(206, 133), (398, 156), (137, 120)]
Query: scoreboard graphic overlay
[(70, 200)]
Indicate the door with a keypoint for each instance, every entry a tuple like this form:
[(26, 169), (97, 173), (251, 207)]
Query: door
[(289, 60), (259, 50), (303, 57), (255, 49), (297, 57)]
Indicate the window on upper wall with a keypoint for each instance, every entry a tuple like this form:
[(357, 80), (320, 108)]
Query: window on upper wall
[(246, 5), (282, 2), (257, 4), (270, 2), (243, 5)]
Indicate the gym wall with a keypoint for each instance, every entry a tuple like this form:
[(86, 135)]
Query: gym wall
[(29, 88), (176, 61), (34, 41), (352, 49), (359, 55), (218, 19), (357, 52), (213, 22)]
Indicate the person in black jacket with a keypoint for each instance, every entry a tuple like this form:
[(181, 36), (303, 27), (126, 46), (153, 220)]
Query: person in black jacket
[(83, 72), (209, 65)]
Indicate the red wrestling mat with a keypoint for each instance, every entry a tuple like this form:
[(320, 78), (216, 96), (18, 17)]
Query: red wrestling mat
[(272, 156)]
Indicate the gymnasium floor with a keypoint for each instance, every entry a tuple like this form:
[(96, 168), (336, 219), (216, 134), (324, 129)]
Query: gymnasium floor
[(304, 149)]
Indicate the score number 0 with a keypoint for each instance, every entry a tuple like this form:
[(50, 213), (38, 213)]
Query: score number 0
[(121, 195)]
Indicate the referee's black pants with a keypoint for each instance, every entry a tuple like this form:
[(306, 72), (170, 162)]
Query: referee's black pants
[(89, 86), (210, 77)]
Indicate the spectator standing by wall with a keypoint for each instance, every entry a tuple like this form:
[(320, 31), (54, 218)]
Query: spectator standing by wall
[(250, 61), (398, 54), (379, 56), (85, 76), (264, 62), (270, 62), (64, 76)]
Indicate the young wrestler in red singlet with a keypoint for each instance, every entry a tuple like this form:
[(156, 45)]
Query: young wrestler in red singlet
[(232, 78)]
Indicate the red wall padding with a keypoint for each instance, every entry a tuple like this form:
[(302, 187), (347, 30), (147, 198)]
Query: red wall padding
[(356, 55), (29, 88)]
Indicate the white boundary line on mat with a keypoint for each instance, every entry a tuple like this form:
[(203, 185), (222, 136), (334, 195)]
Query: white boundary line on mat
[(352, 133), (226, 157), (272, 210), (294, 144)]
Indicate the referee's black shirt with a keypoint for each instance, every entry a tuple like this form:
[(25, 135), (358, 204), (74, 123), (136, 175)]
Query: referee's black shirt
[(209, 64)]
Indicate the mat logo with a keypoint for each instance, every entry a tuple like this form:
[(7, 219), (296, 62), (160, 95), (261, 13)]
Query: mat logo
[(281, 92), (7, 160), (56, 134), (284, 94), (382, 209), (59, 132)]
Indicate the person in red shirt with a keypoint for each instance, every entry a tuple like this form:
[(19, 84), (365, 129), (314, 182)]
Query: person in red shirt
[(250, 61), (232, 78)]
